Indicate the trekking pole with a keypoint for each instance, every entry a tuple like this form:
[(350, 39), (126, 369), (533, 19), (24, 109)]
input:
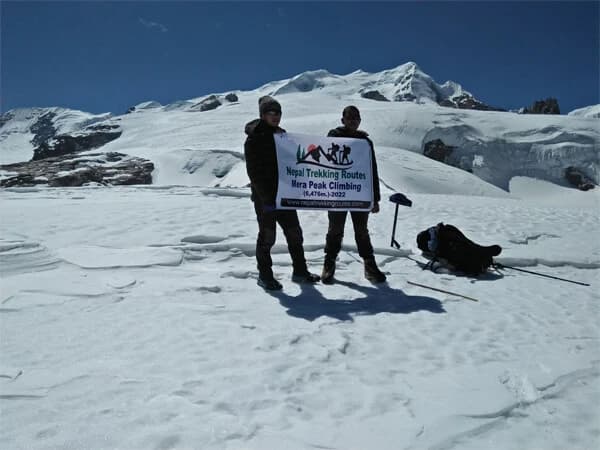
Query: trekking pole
[(398, 199), (502, 266), (441, 290)]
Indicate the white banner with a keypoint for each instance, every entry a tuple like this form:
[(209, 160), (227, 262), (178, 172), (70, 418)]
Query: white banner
[(323, 173)]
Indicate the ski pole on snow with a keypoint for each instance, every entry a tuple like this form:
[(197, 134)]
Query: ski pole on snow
[(398, 199), (441, 290), (502, 266)]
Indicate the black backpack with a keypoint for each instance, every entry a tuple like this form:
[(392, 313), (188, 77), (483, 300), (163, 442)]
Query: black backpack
[(448, 245)]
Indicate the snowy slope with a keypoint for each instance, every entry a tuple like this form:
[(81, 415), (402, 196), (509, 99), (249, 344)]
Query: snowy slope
[(591, 112), (495, 146)]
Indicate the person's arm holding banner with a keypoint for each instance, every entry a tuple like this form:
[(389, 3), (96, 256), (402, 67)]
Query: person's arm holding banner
[(376, 189)]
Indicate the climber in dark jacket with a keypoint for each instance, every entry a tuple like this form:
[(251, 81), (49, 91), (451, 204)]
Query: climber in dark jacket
[(261, 165), (337, 219)]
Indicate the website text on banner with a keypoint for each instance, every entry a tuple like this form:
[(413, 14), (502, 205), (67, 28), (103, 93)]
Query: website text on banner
[(323, 173)]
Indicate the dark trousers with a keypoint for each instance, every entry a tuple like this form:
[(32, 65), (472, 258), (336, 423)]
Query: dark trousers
[(288, 221), (335, 233)]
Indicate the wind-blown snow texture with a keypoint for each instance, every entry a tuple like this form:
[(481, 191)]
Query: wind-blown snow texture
[(131, 319), (130, 316)]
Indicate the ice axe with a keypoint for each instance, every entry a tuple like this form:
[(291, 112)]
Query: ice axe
[(398, 199), (401, 199)]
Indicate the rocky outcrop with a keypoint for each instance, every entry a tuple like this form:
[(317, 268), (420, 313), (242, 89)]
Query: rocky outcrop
[(548, 106), (437, 150), (77, 170), (5, 118), (405, 97), (206, 104), (374, 95), (466, 101), (231, 98), (209, 103), (53, 131), (93, 137), (579, 179), (43, 129)]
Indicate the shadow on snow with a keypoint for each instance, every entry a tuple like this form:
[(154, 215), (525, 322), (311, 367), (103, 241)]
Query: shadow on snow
[(310, 304)]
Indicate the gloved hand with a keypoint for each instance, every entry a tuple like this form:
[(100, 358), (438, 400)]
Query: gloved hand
[(375, 209), (268, 208)]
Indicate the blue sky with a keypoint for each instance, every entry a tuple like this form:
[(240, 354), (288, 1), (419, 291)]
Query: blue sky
[(107, 56)]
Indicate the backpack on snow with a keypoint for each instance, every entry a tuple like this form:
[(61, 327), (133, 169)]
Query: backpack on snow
[(448, 245)]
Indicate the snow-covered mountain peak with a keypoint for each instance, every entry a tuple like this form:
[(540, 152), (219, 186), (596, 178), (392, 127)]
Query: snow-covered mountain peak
[(54, 120), (406, 82), (409, 67), (452, 89), (63, 116), (23, 129), (309, 81)]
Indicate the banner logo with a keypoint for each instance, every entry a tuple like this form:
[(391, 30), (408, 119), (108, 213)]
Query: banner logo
[(334, 158)]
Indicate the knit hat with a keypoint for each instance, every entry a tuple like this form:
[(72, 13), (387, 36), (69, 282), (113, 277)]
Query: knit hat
[(267, 103), (351, 111)]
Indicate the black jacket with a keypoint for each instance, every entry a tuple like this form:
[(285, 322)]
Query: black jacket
[(261, 161), (359, 134)]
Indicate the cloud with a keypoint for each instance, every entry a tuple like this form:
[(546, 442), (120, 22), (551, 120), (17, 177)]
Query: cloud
[(153, 25)]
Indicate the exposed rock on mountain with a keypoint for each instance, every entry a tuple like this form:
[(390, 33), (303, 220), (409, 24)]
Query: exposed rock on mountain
[(437, 150), (68, 170), (231, 97), (206, 104), (579, 179), (547, 106), (467, 101), (43, 128), (52, 129), (209, 103), (62, 145), (374, 95)]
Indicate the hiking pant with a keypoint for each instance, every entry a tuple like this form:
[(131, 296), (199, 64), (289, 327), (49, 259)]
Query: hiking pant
[(288, 221), (335, 233)]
